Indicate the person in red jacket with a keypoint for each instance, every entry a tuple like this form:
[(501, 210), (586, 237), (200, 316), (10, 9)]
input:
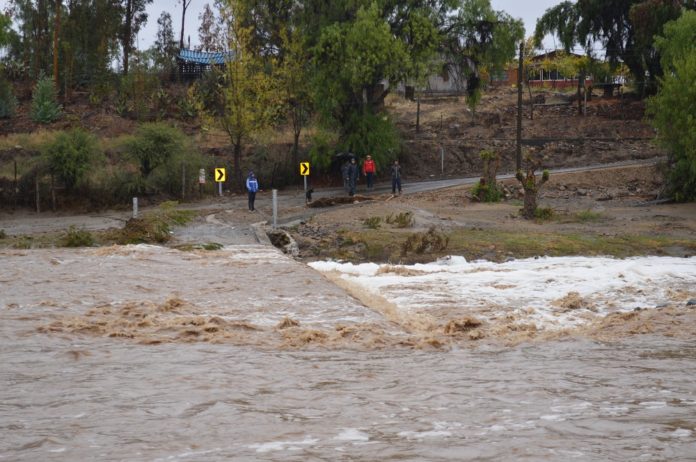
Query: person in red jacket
[(369, 170)]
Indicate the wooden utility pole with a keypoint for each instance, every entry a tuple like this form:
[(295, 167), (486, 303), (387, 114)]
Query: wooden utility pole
[(518, 151)]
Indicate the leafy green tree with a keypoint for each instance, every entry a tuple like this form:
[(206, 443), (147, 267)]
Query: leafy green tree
[(5, 29), (208, 31), (421, 37), (44, 104), (34, 21), (250, 94), (678, 40), (71, 155), (293, 75), (624, 27), (165, 45), (351, 60), (88, 51), (674, 105), (480, 38), (154, 144)]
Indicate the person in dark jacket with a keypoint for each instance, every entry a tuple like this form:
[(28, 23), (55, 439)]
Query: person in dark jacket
[(353, 172), (252, 185), (344, 175), (396, 177)]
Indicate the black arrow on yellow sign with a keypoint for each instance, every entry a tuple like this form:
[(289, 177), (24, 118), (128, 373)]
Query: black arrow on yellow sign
[(304, 168), (220, 175)]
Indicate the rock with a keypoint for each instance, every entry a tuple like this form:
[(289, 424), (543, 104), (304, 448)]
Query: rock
[(583, 192), (562, 187), (691, 302)]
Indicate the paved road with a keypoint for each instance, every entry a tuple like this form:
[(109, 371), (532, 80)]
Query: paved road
[(228, 221)]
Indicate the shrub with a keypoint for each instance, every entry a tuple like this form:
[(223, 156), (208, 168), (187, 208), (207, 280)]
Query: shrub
[(431, 241), (543, 213), (588, 215), (70, 155), (155, 226), (189, 105), (372, 222), (486, 193), (77, 238), (3, 234), (373, 133), (24, 242), (154, 144), (402, 220), (161, 101), (44, 104), (135, 91), (8, 101)]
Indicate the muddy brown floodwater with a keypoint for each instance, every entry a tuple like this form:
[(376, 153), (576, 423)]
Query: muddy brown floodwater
[(145, 353)]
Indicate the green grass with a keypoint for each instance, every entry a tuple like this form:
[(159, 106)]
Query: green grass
[(387, 246), (586, 216)]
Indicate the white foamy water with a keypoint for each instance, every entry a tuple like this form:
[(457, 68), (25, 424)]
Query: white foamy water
[(532, 289)]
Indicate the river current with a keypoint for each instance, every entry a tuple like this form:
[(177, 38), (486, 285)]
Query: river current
[(144, 353)]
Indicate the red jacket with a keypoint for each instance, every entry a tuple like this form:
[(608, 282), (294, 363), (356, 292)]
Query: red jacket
[(369, 166)]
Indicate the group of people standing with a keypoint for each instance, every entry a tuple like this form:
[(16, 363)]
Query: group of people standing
[(351, 172)]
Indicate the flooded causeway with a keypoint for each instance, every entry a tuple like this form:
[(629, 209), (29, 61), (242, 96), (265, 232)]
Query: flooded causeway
[(145, 353)]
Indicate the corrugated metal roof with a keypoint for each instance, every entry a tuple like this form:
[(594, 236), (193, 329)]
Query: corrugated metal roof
[(205, 57)]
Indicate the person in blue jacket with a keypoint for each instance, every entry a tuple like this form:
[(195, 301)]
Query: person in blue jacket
[(252, 185)]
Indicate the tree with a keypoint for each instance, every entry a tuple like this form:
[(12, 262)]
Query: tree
[(35, 28), (184, 6), (625, 28), (133, 18), (531, 185), (44, 102), (5, 29), (165, 44), (154, 144), (294, 83), (89, 43), (351, 61), (421, 38), (673, 106), (208, 31), (677, 41), (250, 95), (479, 38), (56, 40), (70, 155)]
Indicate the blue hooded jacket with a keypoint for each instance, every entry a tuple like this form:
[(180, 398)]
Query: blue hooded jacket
[(252, 183)]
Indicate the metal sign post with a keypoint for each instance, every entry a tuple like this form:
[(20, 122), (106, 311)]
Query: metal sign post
[(304, 171), (275, 208), (220, 176)]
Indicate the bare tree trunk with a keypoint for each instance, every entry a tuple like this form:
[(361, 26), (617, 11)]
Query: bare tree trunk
[(518, 147), (56, 47), (127, 38), (184, 4), (418, 113), (38, 199), (237, 162), (530, 203)]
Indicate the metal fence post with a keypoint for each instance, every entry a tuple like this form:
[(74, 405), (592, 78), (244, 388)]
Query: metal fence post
[(275, 208)]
